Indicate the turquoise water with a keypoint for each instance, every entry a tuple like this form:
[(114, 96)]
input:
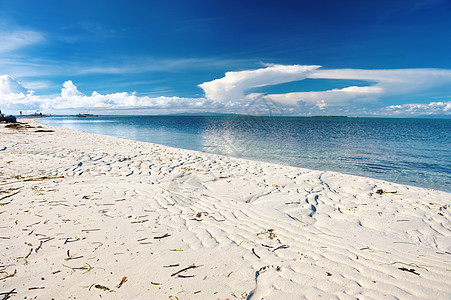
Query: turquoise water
[(408, 151)]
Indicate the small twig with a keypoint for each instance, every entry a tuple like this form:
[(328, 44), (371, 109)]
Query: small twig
[(409, 270), (142, 221), (34, 224), (39, 247), (89, 230), (70, 241), (124, 279), (46, 239), (8, 294), (36, 288), (294, 218), (253, 251), (7, 196), (184, 269), (11, 275), (29, 253), (171, 266), (281, 247), (162, 237)]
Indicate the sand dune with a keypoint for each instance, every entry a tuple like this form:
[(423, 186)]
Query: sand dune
[(85, 216)]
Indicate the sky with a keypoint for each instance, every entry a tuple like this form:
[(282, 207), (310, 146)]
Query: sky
[(356, 58)]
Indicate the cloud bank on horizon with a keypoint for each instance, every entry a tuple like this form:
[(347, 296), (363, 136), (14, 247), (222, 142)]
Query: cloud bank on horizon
[(233, 93)]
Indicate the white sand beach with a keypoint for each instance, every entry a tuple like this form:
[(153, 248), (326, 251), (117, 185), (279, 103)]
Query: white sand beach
[(85, 216)]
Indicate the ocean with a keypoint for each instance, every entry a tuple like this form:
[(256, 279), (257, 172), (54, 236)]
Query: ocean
[(409, 151)]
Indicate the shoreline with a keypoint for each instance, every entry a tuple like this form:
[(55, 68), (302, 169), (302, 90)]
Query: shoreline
[(101, 208)]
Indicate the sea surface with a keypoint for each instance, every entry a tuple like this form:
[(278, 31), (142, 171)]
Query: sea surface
[(409, 151)]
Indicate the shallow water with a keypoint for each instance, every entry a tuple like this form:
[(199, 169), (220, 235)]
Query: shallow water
[(408, 151)]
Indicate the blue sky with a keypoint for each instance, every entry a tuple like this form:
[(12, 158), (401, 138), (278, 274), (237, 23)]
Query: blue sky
[(309, 57)]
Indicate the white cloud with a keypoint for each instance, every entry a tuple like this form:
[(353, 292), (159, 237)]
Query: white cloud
[(69, 90), (381, 84), (15, 97), (13, 40), (9, 85), (233, 85), (433, 108)]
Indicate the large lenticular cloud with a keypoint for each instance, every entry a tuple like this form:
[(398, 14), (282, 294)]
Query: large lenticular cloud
[(233, 85)]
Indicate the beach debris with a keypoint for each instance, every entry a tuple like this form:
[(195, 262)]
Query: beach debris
[(7, 295), (29, 253), (185, 269), (8, 196), (123, 280), (103, 288), (39, 247), (270, 233), (171, 266), (10, 275), (281, 247), (253, 251), (409, 270), (68, 240), (267, 246), (185, 276), (296, 219), (162, 237), (36, 288), (381, 191), (328, 274), (197, 292), (141, 221), (87, 268), (89, 230), (408, 264), (155, 283), (72, 256), (44, 130)]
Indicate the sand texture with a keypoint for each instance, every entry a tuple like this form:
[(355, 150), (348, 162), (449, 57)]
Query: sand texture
[(85, 216)]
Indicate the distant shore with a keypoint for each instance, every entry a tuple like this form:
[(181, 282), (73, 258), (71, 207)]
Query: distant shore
[(85, 215)]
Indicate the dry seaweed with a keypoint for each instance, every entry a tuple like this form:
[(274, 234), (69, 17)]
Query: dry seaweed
[(184, 269), (7, 295), (253, 251), (185, 276), (162, 237), (103, 288), (409, 270), (10, 275), (123, 280), (281, 247)]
